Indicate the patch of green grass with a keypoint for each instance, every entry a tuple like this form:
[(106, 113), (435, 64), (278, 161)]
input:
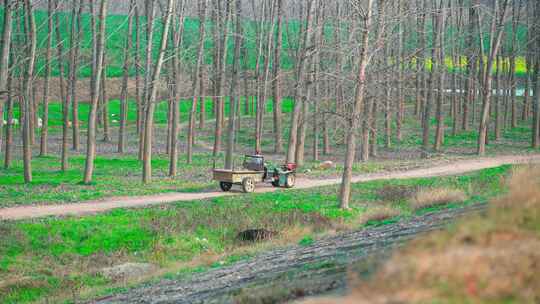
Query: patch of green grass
[(113, 177), (56, 120), (56, 254), (306, 241)]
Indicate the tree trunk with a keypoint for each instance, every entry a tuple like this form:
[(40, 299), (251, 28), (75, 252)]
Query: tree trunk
[(92, 116), (497, 99), (439, 134), (299, 89), (234, 100), (105, 101), (46, 87), (31, 45), (150, 16), (124, 90), (278, 123), (138, 90), (177, 40), (63, 93), (196, 79), (4, 60), (363, 61), (76, 36), (149, 119), (220, 100), (536, 77), (426, 120), (496, 31)]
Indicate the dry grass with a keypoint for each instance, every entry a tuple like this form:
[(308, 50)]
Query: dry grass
[(435, 197), (497, 255), (379, 214)]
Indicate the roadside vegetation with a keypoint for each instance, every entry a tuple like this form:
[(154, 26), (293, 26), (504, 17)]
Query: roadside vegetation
[(493, 257), (62, 258)]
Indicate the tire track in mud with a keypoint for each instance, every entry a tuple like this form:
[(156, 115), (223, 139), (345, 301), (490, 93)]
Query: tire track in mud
[(293, 272)]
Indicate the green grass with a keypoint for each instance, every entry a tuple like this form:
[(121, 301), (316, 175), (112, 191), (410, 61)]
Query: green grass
[(55, 111), (61, 256), (113, 177)]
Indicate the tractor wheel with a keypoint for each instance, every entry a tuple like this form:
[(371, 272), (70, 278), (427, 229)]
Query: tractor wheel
[(248, 185), (291, 180), (225, 186)]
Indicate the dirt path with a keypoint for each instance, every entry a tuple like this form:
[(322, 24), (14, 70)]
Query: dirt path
[(91, 207), (293, 272)]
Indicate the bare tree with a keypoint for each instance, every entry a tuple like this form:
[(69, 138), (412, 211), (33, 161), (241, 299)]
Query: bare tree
[(125, 79), (234, 99), (92, 116), (196, 79), (4, 59), (46, 86), (31, 49), (536, 77), (301, 65), (278, 121), (76, 36), (363, 62), (149, 119), (496, 37)]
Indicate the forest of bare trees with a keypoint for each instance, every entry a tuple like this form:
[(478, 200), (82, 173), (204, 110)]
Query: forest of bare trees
[(357, 71)]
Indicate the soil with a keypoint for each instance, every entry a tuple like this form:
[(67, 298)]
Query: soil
[(294, 272), (91, 207)]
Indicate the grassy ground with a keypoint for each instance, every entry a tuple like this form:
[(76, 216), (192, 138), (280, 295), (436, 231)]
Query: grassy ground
[(60, 258), (119, 176), (55, 111), (497, 253)]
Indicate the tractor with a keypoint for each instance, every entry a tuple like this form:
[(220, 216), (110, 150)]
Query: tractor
[(255, 170)]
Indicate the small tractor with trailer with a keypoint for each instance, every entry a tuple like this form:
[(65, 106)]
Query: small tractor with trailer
[(255, 170)]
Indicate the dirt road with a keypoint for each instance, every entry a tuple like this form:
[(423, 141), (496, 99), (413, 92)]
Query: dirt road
[(292, 272), (91, 207)]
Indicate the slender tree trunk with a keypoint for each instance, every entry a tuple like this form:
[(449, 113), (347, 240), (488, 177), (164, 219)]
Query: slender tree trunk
[(9, 127), (46, 87), (426, 121), (496, 34), (196, 79), (497, 99), (536, 77), (150, 15), (439, 134), (363, 61), (76, 36), (31, 44), (399, 83), (149, 120), (92, 117), (124, 91), (298, 101), (224, 42), (278, 123), (138, 90), (234, 100), (4, 61), (177, 40), (63, 93), (387, 105), (105, 102)]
